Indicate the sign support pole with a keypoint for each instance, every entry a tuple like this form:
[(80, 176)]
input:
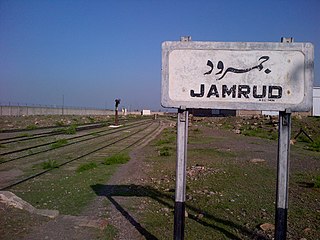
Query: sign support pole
[(181, 164), (283, 175), (283, 170)]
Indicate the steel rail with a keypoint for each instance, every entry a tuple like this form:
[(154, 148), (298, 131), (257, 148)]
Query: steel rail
[(110, 131), (38, 128), (54, 132), (45, 144), (72, 160), (50, 133)]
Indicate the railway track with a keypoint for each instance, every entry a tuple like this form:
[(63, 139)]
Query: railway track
[(19, 135), (97, 147), (45, 147)]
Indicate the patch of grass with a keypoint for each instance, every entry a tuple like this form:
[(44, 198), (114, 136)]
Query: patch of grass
[(317, 182), (24, 135), (165, 151), (110, 232), (75, 119), (120, 158), (303, 138), (71, 129), (211, 152), (59, 143), (162, 142), (167, 138), (59, 124), (31, 127), (196, 130), (51, 164), (314, 146), (91, 119), (69, 193), (226, 199), (259, 132), (86, 166)]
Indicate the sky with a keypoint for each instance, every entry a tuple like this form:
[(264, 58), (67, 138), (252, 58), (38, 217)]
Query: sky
[(87, 53)]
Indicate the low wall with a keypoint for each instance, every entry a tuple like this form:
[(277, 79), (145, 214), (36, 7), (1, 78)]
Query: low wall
[(28, 110)]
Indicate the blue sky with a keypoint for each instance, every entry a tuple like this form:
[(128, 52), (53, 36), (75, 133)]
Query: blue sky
[(92, 52)]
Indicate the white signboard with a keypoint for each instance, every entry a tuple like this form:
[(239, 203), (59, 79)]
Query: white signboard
[(252, 76)]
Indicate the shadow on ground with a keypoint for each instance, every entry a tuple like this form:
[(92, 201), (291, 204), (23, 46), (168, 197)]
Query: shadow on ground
[(166, 199)]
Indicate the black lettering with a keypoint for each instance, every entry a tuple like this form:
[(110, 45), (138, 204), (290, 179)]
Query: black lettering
[(243, 90), (213, 91), (275, 92), (264, 92), (227, 91), (193, 94)]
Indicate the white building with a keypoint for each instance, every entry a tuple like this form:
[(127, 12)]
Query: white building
[(146, 112), (316, 101)]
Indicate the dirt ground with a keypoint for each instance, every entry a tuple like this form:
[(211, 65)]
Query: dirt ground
[(20, 224), (136, 172)]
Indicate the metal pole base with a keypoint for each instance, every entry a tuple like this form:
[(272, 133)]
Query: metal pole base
[(179, 219), (281, 223)]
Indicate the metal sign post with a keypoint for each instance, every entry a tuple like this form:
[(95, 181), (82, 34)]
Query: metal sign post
[(180, 193), (283, 164), (181, 165), (283, 175)]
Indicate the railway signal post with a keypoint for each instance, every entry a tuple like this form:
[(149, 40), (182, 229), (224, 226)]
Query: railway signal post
[(116, 118)]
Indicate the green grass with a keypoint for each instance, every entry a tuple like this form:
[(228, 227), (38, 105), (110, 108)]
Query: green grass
[(59, 124), (24, 135), (196, 130), (68, 193), (162, 142), (314, 146), (50, 164), (71, 129), (237, 195), (31, 127), (91, 119), (120, 158), (165, 151), (59, 143), (317, 182), (86, 167), (259, 132), (210, 152), (229, 199)]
